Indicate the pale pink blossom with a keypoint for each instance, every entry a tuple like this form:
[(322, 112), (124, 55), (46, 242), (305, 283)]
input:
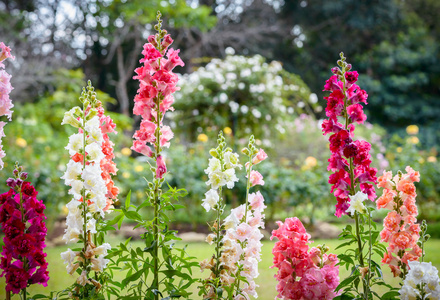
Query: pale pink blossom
[(261, 155), (256, 178)]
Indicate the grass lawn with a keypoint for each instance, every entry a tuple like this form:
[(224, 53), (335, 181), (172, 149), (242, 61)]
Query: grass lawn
[(60, 279)]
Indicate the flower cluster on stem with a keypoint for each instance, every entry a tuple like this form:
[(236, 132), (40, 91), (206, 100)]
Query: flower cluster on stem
[(221, 172), (400, 229), (154, 98), (421, 282), (88, 174), (237, 237), (22, 219), (243, 227), (5, 90), (352, 179), (350, 159), (302, 273)]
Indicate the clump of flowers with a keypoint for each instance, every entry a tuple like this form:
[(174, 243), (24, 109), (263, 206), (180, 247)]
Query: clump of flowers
[(400, 229), (22, 218), (237, 239), (350, 159), (421, 282), (88, 175), (5, 90), (303, 273)]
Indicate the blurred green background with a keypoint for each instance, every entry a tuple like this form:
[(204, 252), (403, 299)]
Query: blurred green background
[(251, 67)]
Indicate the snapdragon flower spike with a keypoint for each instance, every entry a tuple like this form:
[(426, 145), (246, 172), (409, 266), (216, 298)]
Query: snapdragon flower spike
[(350, 159), (221, 173), (22, 218), (154, 98), (400, 229), (88, 174), (302, 273), (243, 228), (5, 90)]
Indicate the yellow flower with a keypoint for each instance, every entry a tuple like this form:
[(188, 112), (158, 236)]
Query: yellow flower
[(126, 151), (202, 138), (421, 160), (413, 140), (126, 175), (21, 142), (412, 129), (227, 130), (309, 163), (432, 159), (138, 168), (399, 149)]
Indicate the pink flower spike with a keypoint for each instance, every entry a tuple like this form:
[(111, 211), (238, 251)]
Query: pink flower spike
[(256, 178)]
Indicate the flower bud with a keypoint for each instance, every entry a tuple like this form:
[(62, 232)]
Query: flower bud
[(213, 153), (245, 151), (93, 112), (11, 182)]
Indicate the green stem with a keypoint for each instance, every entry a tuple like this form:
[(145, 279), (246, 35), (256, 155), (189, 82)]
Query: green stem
[(369, 253), (156, 204), (353, 192), (248, 186), (83, 190), (218, 220), (23, 220)]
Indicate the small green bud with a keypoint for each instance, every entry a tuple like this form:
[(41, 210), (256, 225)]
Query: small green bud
[(245, 151), (93, 112), (213, 153), (228, 149)]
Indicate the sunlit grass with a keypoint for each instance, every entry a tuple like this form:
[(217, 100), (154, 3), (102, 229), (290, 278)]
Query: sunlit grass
[(60, 279)]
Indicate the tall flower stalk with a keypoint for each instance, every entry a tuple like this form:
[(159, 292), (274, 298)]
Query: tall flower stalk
[(22, 219), (352, 179), (221, 172), (157, 259), (88, 174), (5, 101)]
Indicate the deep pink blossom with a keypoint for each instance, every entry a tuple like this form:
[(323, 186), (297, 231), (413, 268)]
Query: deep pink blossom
[(351, 77), (22, 220), (350, 159)]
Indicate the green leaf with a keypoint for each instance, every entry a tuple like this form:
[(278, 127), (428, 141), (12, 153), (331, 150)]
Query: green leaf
[(390, 296), (132, 215), (133, 277), (127, 200), (346, 282)]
